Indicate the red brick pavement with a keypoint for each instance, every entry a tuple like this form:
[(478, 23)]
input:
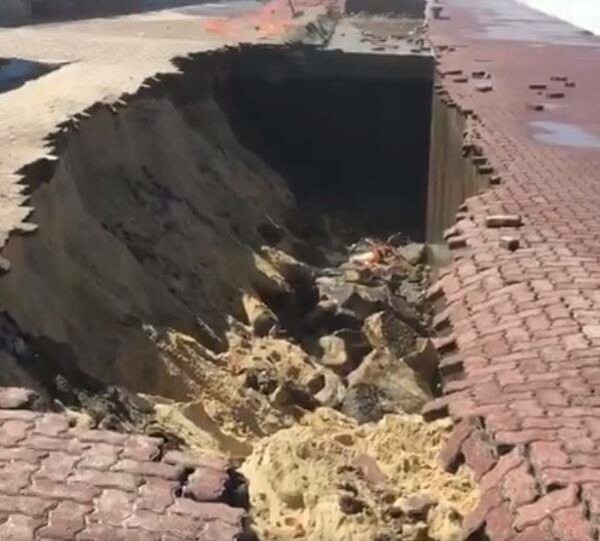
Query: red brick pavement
[(58, 482), (520, 330)]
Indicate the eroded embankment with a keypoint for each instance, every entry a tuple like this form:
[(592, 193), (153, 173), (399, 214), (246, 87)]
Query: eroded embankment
[(177, 286)]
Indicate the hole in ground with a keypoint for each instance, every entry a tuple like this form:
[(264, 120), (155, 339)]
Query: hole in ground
[(350, 133)]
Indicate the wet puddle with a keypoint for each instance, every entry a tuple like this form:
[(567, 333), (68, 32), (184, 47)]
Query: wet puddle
[(563, 134), (15, 72)]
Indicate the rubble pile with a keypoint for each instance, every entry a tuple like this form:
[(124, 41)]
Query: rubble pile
[(318, 395)]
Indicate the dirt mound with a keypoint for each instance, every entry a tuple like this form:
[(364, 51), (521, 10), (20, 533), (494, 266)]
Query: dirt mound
[(328, 478)]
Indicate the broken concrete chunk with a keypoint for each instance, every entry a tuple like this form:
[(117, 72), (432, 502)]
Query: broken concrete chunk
[(414, 253), (385, 330), (503, 220), (396, 388)]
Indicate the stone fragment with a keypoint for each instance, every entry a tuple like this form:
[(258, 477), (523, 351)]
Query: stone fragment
[(327, 388)]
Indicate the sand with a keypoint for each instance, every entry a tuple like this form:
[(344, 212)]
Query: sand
[(304, 481)]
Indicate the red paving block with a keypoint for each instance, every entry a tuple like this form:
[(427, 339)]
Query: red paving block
[(59, 483)]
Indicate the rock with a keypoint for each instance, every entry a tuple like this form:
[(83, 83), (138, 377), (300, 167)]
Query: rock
[(344, 350), (334, 351), (417, 506), (399, 389), (290, 394), (327, 388), (424, 360), (362, 402), (290, 268), (414, 253), (412, 293), (259, 315), (351, 505), (385, 330)]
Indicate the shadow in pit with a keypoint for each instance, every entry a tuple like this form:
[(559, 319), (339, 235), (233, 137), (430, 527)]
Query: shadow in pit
[(349, 132)]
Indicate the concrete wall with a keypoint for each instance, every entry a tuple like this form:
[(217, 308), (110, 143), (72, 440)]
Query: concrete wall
[(453, 173), (14, 11)]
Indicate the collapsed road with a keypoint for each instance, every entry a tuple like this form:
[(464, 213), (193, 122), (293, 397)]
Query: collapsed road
[(219, 310)]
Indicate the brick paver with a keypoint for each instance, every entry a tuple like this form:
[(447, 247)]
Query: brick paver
[(522, 321), (61, 482)]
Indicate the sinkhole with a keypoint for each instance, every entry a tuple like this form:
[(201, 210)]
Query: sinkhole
[(349, 132)]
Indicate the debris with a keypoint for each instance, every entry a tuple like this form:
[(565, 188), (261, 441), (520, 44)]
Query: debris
[(397, 387), (329, 478), (510, 243), (503, 220)]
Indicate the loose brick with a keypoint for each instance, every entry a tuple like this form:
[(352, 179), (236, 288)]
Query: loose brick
[(503, 220)]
